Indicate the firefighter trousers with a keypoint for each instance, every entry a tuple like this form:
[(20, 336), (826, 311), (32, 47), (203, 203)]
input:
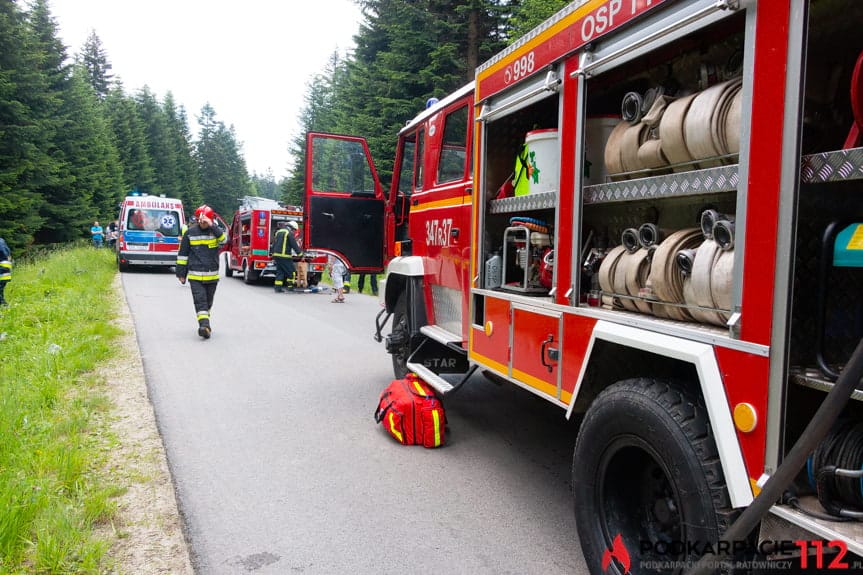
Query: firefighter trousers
[(285, 271), (203, 294)]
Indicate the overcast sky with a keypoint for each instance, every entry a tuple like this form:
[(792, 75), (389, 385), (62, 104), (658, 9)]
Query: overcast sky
[(250, 60)]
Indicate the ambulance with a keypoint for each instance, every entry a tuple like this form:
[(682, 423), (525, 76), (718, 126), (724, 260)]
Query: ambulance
[(150, 231)]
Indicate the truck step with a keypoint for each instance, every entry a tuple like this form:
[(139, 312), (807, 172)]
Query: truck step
[(441, 335), (439, 384)]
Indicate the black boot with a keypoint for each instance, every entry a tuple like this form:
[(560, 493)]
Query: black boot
[(204, 330)]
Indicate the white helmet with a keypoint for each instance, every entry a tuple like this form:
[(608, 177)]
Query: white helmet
[(293, 225)]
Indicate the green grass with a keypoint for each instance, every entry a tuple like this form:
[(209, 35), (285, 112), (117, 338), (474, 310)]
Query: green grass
[(54, 434)]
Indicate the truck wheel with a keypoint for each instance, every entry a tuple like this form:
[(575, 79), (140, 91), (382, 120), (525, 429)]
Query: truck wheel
[(229, 271), (313, 279), (249, 276), (646, 468), (121, 266), (401, 334)]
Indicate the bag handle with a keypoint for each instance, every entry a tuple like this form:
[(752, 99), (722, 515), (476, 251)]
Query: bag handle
[(381, 412)]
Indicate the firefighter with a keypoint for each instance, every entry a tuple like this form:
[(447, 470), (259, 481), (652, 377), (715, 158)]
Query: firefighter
[(5, 269), (198, 260), (283, 249)]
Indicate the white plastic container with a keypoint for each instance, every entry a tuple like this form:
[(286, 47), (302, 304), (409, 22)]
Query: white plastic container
[(542, 166)]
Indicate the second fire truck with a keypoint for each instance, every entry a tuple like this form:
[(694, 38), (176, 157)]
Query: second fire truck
[(252, 229), (649, 214)]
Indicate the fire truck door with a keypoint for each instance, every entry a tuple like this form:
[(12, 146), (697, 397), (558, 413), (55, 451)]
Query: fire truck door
[(536, 349), (345, 208)]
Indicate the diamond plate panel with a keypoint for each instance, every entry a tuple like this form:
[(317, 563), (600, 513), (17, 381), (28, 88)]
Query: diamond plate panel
[(540, 201), (695, 182), (836, 166), (447, 308)]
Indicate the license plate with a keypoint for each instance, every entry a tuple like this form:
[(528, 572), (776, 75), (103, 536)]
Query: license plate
[(138, 247)]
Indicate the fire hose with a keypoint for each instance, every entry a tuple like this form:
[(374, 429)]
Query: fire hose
[(666, 278), (606, 273)]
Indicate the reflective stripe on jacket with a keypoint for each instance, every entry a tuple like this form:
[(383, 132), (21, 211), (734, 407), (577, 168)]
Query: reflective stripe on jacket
[(285, 244), (198, 257)]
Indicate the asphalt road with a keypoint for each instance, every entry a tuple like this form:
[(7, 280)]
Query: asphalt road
[(279, 466)]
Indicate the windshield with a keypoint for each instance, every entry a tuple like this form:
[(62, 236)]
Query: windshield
[(166, 222)]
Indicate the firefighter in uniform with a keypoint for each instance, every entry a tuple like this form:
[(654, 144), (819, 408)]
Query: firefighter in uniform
[(283, 249), (5, 269), (198, 260)]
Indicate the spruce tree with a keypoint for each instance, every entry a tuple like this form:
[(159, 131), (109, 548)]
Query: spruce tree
[(224, 177), (95, 62), (188, 181)]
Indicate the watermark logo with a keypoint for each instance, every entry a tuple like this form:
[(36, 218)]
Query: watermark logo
[(766, 556), (618, 552)]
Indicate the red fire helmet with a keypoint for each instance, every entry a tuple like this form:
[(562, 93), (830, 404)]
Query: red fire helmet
[(205, 210)]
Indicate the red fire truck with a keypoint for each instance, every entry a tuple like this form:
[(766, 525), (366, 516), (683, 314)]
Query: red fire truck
[(252, 230), (647, 213)]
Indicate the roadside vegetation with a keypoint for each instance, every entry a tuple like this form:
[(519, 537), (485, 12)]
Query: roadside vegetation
[(54, 429)]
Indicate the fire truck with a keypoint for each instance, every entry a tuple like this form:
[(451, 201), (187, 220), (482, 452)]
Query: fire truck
[(252, 229), (649, 214)]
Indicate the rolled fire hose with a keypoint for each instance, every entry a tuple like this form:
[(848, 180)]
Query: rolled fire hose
[(630, 142), (657, 108), (732, 124), (650, 235), (612, 148), (723, 234), (719, 127), (631, 107), (720, 282), (707, 220), (696, 287), (606, 272), (629, 240), (650, 156), (636, 268), (650, 96), (618, 282), (685, 259), (629, 277), (671, 132), (666, 277), (704, 125)]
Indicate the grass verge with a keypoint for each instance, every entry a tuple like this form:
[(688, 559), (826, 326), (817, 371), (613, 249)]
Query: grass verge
[(54, 434)]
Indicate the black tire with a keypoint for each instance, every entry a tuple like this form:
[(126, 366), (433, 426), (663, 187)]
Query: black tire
[(249, 276), (229, 271), (646, 467), (401, 332), (121, 266), (313, 279)]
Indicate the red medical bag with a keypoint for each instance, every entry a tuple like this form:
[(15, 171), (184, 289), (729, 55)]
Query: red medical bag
[(411, 412)]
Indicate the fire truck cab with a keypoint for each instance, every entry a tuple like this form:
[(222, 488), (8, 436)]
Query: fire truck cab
[(658, 227), (252, 229)]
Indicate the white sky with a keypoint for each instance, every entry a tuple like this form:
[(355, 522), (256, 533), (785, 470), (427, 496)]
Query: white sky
[(250, 60)]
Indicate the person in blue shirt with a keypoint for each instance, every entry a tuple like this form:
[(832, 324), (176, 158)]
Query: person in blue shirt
[(5, 269), (97, 234)]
